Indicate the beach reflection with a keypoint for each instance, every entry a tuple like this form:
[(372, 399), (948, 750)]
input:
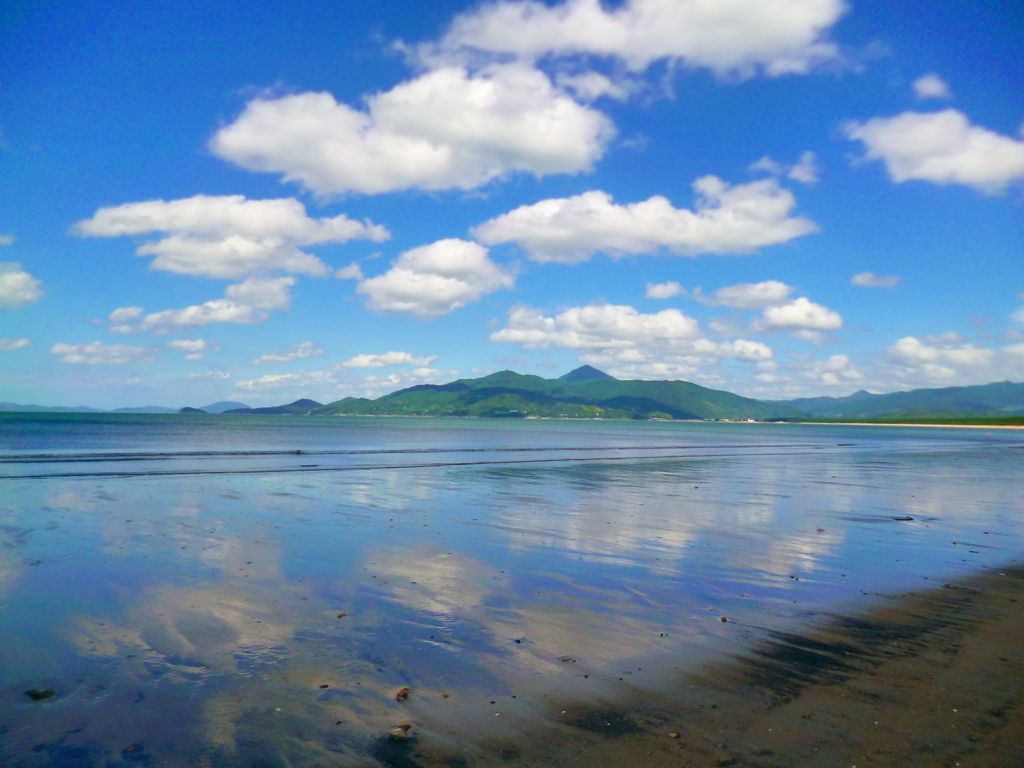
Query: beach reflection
[(270, 620)]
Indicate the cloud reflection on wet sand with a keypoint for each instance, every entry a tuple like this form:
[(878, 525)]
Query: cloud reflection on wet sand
[(272, 619)]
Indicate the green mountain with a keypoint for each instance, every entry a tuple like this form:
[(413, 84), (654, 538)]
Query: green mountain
[(583, 393), (1003, 398), (585, 373), (223, 405), (298, 408)]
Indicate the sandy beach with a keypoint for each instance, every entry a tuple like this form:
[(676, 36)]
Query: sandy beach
[(929, 680), (911, 424)]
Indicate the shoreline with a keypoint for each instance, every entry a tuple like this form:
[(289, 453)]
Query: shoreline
[(902, 424), (929, 679)]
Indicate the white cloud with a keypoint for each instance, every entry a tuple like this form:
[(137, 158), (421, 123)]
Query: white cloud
[(6, 240), (589, 86), (663, 290), (98, 353), (1018, 316), (387, 359), (749, 296), (272, 295), (216, 311), (871, 280), (446, 128), (374, 386), (805, 170), (189, 345), (730, 37), (931, 86), (8, 345), (283, 381), (296, 352), (631, 345), (210, 376), (195, 348), (800, 316), (247, 303), (228, 236), (597, 326), (433, 280), (836, 371), (727, 220), (352, 272), (949, 363), (941, 147), (912, 350), (17, 287)]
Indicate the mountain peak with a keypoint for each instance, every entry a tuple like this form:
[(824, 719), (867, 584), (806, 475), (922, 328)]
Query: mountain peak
[(585, 373)]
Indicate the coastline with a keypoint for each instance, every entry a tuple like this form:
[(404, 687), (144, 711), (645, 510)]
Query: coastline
[(903, 424), (928, 679)]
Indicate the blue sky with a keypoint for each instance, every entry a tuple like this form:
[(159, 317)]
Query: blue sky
[(207, 201)]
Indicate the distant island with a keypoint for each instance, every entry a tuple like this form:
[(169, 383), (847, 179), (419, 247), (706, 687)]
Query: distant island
[(587, 393)]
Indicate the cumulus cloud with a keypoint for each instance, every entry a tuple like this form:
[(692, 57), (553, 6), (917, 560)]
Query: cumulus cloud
[(948, 360), (8, 345), (597, 326), (286, 380), (98, 353), (871, 280), (195, 349), (228, 236), (372, 385), (6, 240), (941, 147), (352, 272), (836, 371), (627, 343), (301, 351), (937, 359), (736, 38), (247, 303), (750, 296), (589, 86), (387, 359), (272, 295), (663, 290), (17, 287), (445, 129), (433, 280), (800, 317), (805, 170), (931, 86), (727, 220)]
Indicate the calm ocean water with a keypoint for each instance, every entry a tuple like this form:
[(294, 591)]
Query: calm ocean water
[(247, 591)]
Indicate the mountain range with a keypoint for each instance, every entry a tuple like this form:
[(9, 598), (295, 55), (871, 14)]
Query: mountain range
[(589, 393), (219, 407)]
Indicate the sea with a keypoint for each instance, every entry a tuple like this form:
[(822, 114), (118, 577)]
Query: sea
[(264, 592)]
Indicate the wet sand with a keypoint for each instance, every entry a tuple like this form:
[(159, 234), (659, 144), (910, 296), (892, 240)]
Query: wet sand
[(926, 679)]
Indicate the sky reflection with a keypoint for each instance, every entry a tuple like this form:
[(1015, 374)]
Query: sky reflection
[(232, 618)]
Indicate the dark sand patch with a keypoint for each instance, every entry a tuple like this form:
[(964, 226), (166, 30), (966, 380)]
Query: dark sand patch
[(931, 680)]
